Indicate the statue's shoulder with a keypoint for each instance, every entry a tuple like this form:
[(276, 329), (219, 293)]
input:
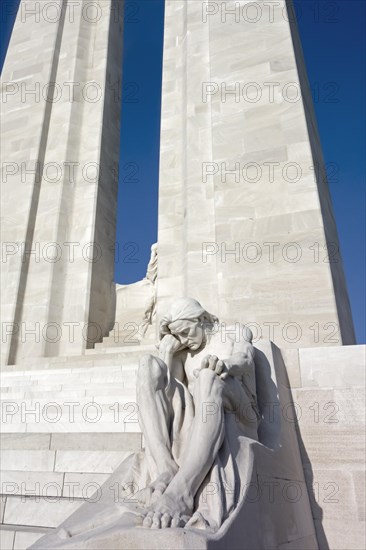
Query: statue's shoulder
[(238, 335)]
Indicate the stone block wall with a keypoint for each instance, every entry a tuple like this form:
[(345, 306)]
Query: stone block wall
[(61, 84), (245, 219)]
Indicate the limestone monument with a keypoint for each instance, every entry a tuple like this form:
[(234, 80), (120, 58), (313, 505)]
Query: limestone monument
[(219, 402), (199, 415)]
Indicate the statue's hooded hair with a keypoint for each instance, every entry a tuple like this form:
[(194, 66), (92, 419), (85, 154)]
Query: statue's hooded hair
[(185, 309)]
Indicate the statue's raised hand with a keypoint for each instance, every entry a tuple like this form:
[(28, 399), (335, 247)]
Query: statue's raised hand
[(168, 346)]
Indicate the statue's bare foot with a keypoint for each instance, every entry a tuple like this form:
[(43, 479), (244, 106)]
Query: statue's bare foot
[(173, 509), (155, 490)]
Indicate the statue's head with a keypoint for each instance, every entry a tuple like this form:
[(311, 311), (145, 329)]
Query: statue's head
[(188, 321)]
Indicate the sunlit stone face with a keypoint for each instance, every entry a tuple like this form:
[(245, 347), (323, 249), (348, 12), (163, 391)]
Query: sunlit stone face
[(189, 333)]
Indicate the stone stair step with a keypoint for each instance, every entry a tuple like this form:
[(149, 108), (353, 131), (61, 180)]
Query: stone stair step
[(126, 386), (47, 476), (61, 461), (16, 537), (93, 375), (125, 421), (58, 396), (14, 408), (70, 441), (119, 349), (52, 484), (38, 511), (58, 388), (67, 427), (91, 358)]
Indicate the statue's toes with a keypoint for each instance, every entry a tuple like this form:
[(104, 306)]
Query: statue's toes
[(156, 522), (166, 520), (179, 521), (148, 520)]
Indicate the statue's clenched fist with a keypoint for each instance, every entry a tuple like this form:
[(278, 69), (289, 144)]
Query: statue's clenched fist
[(169, 345)]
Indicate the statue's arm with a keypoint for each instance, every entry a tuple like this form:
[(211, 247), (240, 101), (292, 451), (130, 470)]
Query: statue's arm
[(241, 362), (238, 365), (169, 348)]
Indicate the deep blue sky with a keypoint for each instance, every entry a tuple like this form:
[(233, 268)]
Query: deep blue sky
[(333, 37)]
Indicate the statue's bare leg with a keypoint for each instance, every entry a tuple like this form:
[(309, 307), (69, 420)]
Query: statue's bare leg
[(175, 506), (155, 418)]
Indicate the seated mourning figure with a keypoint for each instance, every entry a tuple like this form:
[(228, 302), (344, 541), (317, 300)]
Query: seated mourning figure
[(198, 414), (202, 375)]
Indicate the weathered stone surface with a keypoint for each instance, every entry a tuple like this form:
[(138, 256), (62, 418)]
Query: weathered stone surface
[(89, 461), (253, 249), (247, 240), (335, 367), (36, 482), (25, 441), (331, 417), (278, 515), (24, 539), (102, 442), (74, 124), (6, 539), (38, 512), (41, 461), (292, 362)]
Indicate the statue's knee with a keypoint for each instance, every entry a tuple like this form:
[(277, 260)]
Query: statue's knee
[(146, 361), (151, 373)]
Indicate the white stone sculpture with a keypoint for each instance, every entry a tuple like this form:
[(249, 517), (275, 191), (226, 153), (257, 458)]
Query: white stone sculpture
[(152, 268), (198, 411), (183, 396), (151, 275)]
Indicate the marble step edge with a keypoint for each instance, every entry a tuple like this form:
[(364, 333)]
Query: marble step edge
[(109, 350), (60, 387), (19, 537), (92, 395), (90, 357), (18, 466), (119, 339), (25, 528), (28, 407), (127, 388), (74, 428), (72, 371), (350, 386), (118, 420), (110, 394), (39, 511), (20, 483), (81, 441)]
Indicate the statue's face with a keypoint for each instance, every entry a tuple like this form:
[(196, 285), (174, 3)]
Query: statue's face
[(189, 333)]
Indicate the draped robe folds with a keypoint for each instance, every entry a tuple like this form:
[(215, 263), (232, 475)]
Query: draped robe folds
[(220, 495), (227, 480)]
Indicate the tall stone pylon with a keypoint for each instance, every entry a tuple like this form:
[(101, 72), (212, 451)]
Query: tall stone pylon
[(61, 84), (245, 216)]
